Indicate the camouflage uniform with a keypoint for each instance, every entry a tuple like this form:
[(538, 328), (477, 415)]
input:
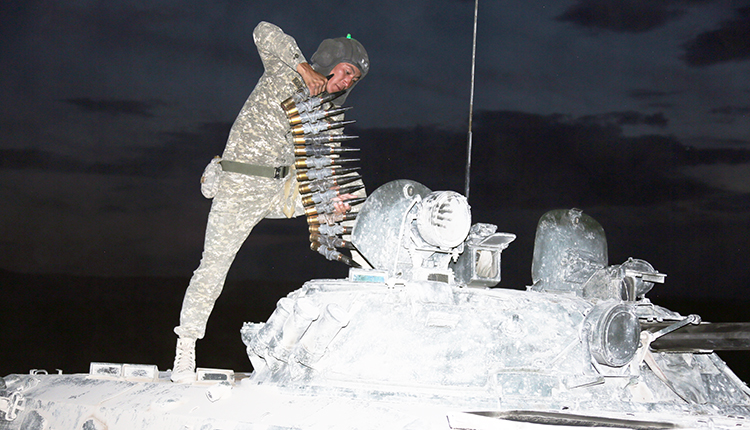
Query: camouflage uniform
[(260, 136)]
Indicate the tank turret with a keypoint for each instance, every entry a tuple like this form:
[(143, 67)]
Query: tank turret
[(411, 233)]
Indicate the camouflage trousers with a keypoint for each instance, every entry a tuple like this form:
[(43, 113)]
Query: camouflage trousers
[(240, 204)]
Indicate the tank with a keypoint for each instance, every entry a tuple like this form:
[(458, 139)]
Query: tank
[(421, 338)]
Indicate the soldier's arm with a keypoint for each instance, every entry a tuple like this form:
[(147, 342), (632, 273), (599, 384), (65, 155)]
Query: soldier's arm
[(274, 44)]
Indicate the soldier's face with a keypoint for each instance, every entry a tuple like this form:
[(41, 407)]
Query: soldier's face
[(344, 76)]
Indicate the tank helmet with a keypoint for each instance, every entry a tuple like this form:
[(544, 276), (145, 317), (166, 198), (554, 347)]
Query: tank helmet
[(340, 50)]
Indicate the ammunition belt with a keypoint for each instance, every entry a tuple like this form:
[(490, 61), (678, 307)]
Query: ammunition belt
[(279, 172), (320, 175)]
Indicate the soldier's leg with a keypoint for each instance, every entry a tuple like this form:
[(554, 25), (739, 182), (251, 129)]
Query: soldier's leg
[(230, 221), (225, 234)]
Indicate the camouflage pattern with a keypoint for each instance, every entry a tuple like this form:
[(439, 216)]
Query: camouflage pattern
[(233, 215), (260, 135)]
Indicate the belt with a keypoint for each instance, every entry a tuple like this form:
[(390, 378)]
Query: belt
[(255, 170)]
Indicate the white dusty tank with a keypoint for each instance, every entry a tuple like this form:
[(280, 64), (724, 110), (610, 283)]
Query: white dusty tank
[(422, 340)]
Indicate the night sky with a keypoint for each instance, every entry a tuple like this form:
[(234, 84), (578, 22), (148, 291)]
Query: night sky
[(637, 112)]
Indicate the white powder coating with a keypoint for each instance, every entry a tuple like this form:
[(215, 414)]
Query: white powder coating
[(414, 347)]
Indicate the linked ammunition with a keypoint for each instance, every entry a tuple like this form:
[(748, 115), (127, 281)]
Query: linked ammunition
[(314, 162), (331, 241), (317, 152), (321, 162), (321, 138), (325, 184), (326, 172), (321, 149), (330, 230), (316, 115), (332, 254), (320, 197), (319, 126), (329, 207), (331, 218), (323, 208), (311, 104), (297, 97)]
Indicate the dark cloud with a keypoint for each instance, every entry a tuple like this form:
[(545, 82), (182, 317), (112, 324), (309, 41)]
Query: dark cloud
[(192, 147), (114, 107), (731, 110), (418, 153), (143, 159), (627, 118), (177, 150), (661, 105), (621, 16), (645, 190), (728, 143), (645, 94), (181, 30), (728, 115), (42, 160), (555, 161), (729, 42)]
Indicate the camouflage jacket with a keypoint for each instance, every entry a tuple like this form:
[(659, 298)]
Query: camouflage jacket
[(261, 133)]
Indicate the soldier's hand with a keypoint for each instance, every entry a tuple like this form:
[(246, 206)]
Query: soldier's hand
[(341, 206), (316, 82)]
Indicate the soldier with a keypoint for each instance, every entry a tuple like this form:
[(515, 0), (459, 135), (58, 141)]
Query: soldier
[(257, 180)]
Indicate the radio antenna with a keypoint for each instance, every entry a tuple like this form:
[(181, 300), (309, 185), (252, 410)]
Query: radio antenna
[(471, 101)]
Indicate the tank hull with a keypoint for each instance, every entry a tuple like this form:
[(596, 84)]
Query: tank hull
[(420, 341), (421, 355)]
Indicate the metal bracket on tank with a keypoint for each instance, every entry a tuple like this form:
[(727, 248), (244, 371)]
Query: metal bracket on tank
[(691, 319), (10, 406), (644, 353), (647, 338)]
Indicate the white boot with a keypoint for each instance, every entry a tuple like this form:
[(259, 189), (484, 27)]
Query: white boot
[(183, 370)]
